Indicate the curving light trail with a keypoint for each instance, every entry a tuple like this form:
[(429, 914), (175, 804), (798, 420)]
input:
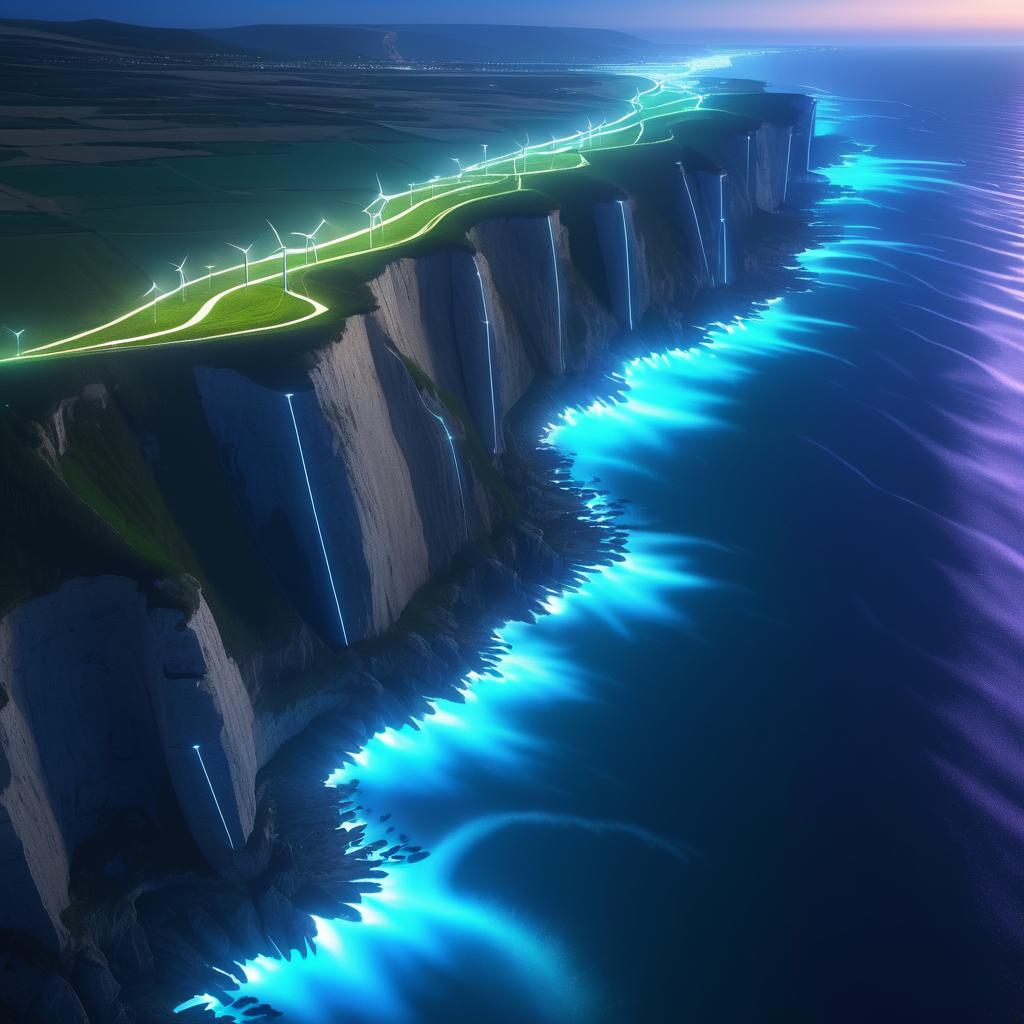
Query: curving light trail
[(493, 177)]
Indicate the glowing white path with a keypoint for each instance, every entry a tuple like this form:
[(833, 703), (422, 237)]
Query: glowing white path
[(469, 186)]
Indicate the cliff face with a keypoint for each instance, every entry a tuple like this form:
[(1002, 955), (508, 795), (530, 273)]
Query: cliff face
[(363, 479), (106, 703)]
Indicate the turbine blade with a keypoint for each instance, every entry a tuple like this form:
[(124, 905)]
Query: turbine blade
[(276, 235)]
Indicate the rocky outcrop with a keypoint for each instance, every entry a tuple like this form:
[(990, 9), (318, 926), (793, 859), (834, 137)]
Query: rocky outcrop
[(107, 700), (33, 857), (205, 723), (359, 486)]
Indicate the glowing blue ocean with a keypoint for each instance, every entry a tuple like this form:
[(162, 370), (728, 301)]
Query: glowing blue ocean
[(771, 766)]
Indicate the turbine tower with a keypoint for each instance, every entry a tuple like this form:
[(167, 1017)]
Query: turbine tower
[(377, 214), (283, 250), (154, 289), (245, 256)]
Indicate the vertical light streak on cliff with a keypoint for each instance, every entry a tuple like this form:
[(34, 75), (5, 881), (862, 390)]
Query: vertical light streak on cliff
[(451, 444), (455, 463), (789, 154), (316, 519), (810, 131), (558, 294), (490, 360), (625, 252), (216, 802), (724, 240), (748, 165), (696, 224)]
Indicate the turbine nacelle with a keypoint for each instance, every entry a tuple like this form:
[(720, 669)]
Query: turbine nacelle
[(17, 338), (180, 268)]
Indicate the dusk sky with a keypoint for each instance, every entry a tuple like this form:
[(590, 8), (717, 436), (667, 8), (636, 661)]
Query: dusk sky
[(705, 19)]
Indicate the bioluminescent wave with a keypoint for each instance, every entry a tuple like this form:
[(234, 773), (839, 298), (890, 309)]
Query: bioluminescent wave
[(460, 843), (316, 520), (422, 919)]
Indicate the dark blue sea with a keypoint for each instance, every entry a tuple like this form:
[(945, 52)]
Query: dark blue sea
[(771, 766)]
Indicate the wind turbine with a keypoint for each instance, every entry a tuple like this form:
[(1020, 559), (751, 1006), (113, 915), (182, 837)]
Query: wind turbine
[(551, 166), (590, 134), (154, 288), (210, 268), (458, 163), (378, 214), (516, 156), (180, 268), (17, 340), (283, 250), (245, 255), (311, 240), (484, 146)]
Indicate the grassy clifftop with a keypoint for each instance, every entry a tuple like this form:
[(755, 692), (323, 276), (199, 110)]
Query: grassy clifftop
[(141, 491)]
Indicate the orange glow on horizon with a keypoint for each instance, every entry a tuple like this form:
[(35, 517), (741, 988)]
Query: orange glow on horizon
[(863, 16)]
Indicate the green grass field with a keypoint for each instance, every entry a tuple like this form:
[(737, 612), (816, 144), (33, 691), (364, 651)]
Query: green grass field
[(221, 306)]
